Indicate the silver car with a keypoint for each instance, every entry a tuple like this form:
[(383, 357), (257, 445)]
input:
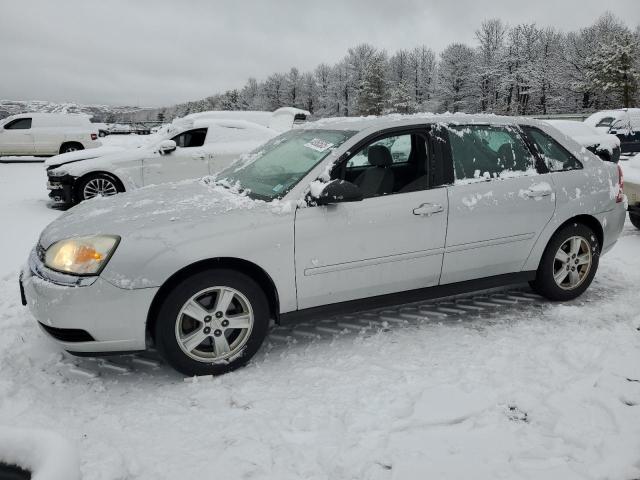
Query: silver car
[(340, 215)]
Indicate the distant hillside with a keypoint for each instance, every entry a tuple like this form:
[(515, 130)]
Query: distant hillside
[(99, 113)]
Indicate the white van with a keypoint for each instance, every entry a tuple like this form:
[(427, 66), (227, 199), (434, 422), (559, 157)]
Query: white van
[(46, 134)]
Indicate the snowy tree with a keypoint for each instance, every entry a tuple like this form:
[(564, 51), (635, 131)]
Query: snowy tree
[(455, 82), (490, 36), (372, 86), (613, 68)]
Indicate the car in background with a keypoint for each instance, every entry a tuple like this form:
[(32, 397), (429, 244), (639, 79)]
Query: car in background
[(623, 123), (604, 145), (632, 189), (46, 134), (189, 149), (329, 218), (280, 120)]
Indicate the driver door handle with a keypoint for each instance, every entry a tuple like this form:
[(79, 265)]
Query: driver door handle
[(428, 209), (198, 156)]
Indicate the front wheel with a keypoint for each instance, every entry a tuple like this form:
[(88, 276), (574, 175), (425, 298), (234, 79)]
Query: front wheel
[(568, 264), (635, 220), (212, 322), (98, 185)]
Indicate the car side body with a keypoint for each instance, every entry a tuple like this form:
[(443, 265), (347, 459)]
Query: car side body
[(46, 134), (202, 147), (445, 228)]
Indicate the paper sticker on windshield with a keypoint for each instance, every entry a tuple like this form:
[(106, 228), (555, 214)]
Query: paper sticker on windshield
[(318, 145)]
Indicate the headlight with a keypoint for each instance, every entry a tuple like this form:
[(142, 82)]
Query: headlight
[(81, 255)]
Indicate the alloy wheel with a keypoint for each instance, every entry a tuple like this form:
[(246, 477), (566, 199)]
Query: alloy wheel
[(572, 263), (99, 187), (214, 324)]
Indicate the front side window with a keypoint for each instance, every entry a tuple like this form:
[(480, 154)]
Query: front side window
[(486, 151), (19, 124), (277, 166), (191, 138), (393, 164), (605, 122), (399, 146), (555, 156)]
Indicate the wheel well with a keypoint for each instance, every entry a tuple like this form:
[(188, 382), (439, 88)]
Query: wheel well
[(84, 177), (255, 272), (590, 222), (64, 144)]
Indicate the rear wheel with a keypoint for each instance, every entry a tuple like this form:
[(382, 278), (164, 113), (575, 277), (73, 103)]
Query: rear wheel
[(635, 220), (568, 264), (98, 185), (70, 147), (212, 322)]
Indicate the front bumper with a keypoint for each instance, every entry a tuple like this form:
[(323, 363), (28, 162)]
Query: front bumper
[(61, 189), (91, 316)]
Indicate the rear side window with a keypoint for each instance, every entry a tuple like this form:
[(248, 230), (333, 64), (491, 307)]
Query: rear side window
[(191, 138), (485, 151), (19, 124), (555, 156)]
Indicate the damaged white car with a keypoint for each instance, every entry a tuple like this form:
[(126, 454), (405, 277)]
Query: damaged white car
[(191, 147)]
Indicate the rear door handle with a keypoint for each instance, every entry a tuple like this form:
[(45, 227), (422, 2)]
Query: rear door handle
[(428, 209), (538, 191), (198, 156)]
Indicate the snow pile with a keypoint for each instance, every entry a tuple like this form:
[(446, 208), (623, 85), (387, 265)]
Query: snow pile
[(45, 454)]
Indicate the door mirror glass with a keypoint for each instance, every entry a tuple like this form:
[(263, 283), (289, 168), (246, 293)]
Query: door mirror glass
[(338, 191), (166, 146)]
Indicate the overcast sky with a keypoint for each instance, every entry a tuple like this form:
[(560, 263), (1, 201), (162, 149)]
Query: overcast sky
[(153, 53)]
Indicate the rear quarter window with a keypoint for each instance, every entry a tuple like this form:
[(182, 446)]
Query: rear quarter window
[(555, 156)]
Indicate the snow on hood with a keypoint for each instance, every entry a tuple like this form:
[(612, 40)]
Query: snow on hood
[(78, 155), (156, 209)]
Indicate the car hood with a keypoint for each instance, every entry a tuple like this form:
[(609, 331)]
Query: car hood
[(161, 212), (79, 155)]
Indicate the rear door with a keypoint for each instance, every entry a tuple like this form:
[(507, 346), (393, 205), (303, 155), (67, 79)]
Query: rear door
[(16, 137), (386, 243), (189, 160), (498, 204)]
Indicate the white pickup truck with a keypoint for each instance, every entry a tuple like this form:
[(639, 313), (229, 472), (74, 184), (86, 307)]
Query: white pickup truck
[(46, 134)]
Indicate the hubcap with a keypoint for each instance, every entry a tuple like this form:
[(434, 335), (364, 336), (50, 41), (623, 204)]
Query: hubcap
[(214, 324), (572, 263), (99, 187)]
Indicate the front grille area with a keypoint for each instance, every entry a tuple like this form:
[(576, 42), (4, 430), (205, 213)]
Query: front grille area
[(68, 334)]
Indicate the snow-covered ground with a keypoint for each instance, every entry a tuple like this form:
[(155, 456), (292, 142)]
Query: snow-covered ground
[(485, 387)]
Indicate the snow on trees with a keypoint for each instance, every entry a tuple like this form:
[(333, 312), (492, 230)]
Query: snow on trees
[(519, 69)]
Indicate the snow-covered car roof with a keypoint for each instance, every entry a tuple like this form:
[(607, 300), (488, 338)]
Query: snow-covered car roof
[(389, 121)]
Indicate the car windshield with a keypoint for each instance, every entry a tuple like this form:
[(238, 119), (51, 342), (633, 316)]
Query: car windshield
[(276, 167)]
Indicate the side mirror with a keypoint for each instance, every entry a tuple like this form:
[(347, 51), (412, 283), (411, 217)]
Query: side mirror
[(338, 191), (167, 146)]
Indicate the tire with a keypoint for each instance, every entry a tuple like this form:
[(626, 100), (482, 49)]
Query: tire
[(207, 345), (635, 220), (70, 147), (98, 184), (579, 276)]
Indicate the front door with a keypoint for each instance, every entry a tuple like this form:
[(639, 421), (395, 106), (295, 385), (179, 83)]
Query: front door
[(498, 204), (16, 138), (389, 242), (189, 160)]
